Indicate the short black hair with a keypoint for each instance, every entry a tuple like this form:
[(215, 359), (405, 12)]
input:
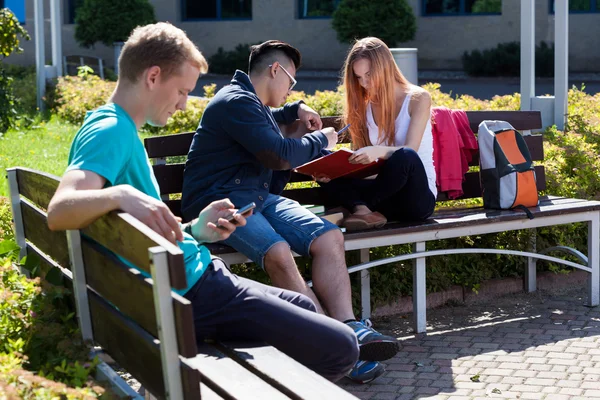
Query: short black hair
[(260, 53)]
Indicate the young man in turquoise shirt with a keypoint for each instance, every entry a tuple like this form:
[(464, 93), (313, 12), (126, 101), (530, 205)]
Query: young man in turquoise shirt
[(108, 170)]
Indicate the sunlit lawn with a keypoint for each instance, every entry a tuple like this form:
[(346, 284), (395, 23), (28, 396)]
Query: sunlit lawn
[(44, 147)]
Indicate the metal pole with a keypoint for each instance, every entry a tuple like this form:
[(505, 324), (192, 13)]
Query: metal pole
[(56, 23), (40, 54), (561, 61), (527, 53)]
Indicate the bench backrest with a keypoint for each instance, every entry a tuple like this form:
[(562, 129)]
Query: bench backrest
[(144, 326), (170, 175)]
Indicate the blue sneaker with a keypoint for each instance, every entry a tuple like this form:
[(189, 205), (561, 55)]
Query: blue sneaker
[(373, 345), (365, 371)]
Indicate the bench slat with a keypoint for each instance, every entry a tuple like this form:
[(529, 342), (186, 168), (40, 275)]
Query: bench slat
[(134, 349), (35, 223), (168, 145), (39, 187), (479, 216), (131, 293), (123, 234), (228, 378), (292, 378), (520, 120)]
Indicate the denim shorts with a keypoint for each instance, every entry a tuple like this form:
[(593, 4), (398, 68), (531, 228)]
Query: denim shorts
[(280, 220)]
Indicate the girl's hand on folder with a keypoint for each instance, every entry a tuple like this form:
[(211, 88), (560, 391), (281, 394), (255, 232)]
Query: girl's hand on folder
[(321, 178), (367, 155), (310, 117)]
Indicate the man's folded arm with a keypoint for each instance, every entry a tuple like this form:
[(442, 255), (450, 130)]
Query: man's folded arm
[(246, 123)]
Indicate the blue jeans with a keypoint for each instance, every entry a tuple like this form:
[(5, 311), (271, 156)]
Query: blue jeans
[(400, 191), (280, 220), (228, 307)]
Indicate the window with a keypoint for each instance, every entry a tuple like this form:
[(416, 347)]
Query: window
[(580, 6), (317, 8), (17, 7), (461, 7), (217, 9), (70, 10)]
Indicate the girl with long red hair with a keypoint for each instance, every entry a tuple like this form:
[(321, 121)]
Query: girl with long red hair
[(389, 120)]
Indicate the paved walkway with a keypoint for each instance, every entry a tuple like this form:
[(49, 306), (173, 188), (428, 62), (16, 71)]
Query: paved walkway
[(525, 346)]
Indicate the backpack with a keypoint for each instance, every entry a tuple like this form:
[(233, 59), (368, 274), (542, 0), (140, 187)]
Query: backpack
[(506, 171)]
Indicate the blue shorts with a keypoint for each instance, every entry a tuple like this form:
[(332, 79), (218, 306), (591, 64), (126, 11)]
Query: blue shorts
[(280, 220)]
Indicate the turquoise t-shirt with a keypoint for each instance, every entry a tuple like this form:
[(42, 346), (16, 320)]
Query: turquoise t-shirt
[(108, 144)]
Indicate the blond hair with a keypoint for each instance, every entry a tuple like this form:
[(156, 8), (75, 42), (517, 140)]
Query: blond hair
[(383, 73), (162, 45)]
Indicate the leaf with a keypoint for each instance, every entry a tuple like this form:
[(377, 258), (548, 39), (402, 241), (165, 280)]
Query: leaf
[(30, 262), (55, 277), (496, 391), (475, 378), (8, 246)]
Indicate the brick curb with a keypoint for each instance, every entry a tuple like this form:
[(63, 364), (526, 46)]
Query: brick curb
[(488, 290)]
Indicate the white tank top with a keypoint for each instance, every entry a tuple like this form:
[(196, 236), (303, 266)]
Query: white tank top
[(402, 121)]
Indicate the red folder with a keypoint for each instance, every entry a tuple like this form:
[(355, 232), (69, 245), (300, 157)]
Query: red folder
[(336, 165)]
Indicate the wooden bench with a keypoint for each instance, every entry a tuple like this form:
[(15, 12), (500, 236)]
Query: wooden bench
[(139, 322), (447, 222)]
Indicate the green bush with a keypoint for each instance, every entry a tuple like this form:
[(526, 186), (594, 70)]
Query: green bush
[(11, 32), (505, 60), (226, 62), (74, 96), (109, 21), (392, 21)]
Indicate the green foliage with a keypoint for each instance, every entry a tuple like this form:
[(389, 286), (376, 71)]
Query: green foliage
[(226, 62), (8, 111), (109, 21), (504, 60), (392, 21), (487, 6), (10, 31), (38, 333), (76, 95), (181, 121)]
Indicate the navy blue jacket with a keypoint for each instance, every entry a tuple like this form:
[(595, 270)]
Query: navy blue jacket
[(237, 147)]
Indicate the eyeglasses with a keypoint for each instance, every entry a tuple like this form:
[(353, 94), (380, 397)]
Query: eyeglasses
[(292, 80)]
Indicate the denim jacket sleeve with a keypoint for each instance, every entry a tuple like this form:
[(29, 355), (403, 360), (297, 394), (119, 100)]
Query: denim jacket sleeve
[(288, 113), (247, 123)]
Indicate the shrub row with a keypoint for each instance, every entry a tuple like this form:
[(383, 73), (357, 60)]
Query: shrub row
[(505, 60), (573, 169)]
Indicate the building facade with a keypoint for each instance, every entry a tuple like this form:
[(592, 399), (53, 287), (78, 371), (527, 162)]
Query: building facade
[(445, 28)]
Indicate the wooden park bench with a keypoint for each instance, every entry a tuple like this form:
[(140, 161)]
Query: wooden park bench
[(447, 222), (141, 323)]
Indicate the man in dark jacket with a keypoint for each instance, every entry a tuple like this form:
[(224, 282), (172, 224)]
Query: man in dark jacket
[(236, 149)]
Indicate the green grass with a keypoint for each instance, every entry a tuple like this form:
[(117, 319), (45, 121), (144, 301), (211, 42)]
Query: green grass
[(44, 147)]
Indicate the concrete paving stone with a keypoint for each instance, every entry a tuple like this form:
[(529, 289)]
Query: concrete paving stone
[(405, 397), (513, 366), (550, 390), (427, 390), (385, 396), (383, 380), (592, 394), (557, 397), (525, 373), (552, 375), (564, 383), (400, 374), (558, 361), (540, 367), (382, 388), (407, 389), (423, 383), (541, 381), (571, 391), (512, 380), (526, 388), (589, 385), (404, 382), (572, 370), (591, 378), (497, 371), (533, 396), (564, 355), (534, 360), (595, 371)]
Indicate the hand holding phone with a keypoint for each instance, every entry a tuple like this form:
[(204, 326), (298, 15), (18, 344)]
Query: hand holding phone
[(244, 211)]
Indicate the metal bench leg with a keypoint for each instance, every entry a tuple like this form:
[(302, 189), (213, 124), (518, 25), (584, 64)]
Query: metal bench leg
[(593, 259), (365, 286), (530, 278), (419, 290)]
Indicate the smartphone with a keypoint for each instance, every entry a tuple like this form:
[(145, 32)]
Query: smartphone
[(343, 129), (244, 211)]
